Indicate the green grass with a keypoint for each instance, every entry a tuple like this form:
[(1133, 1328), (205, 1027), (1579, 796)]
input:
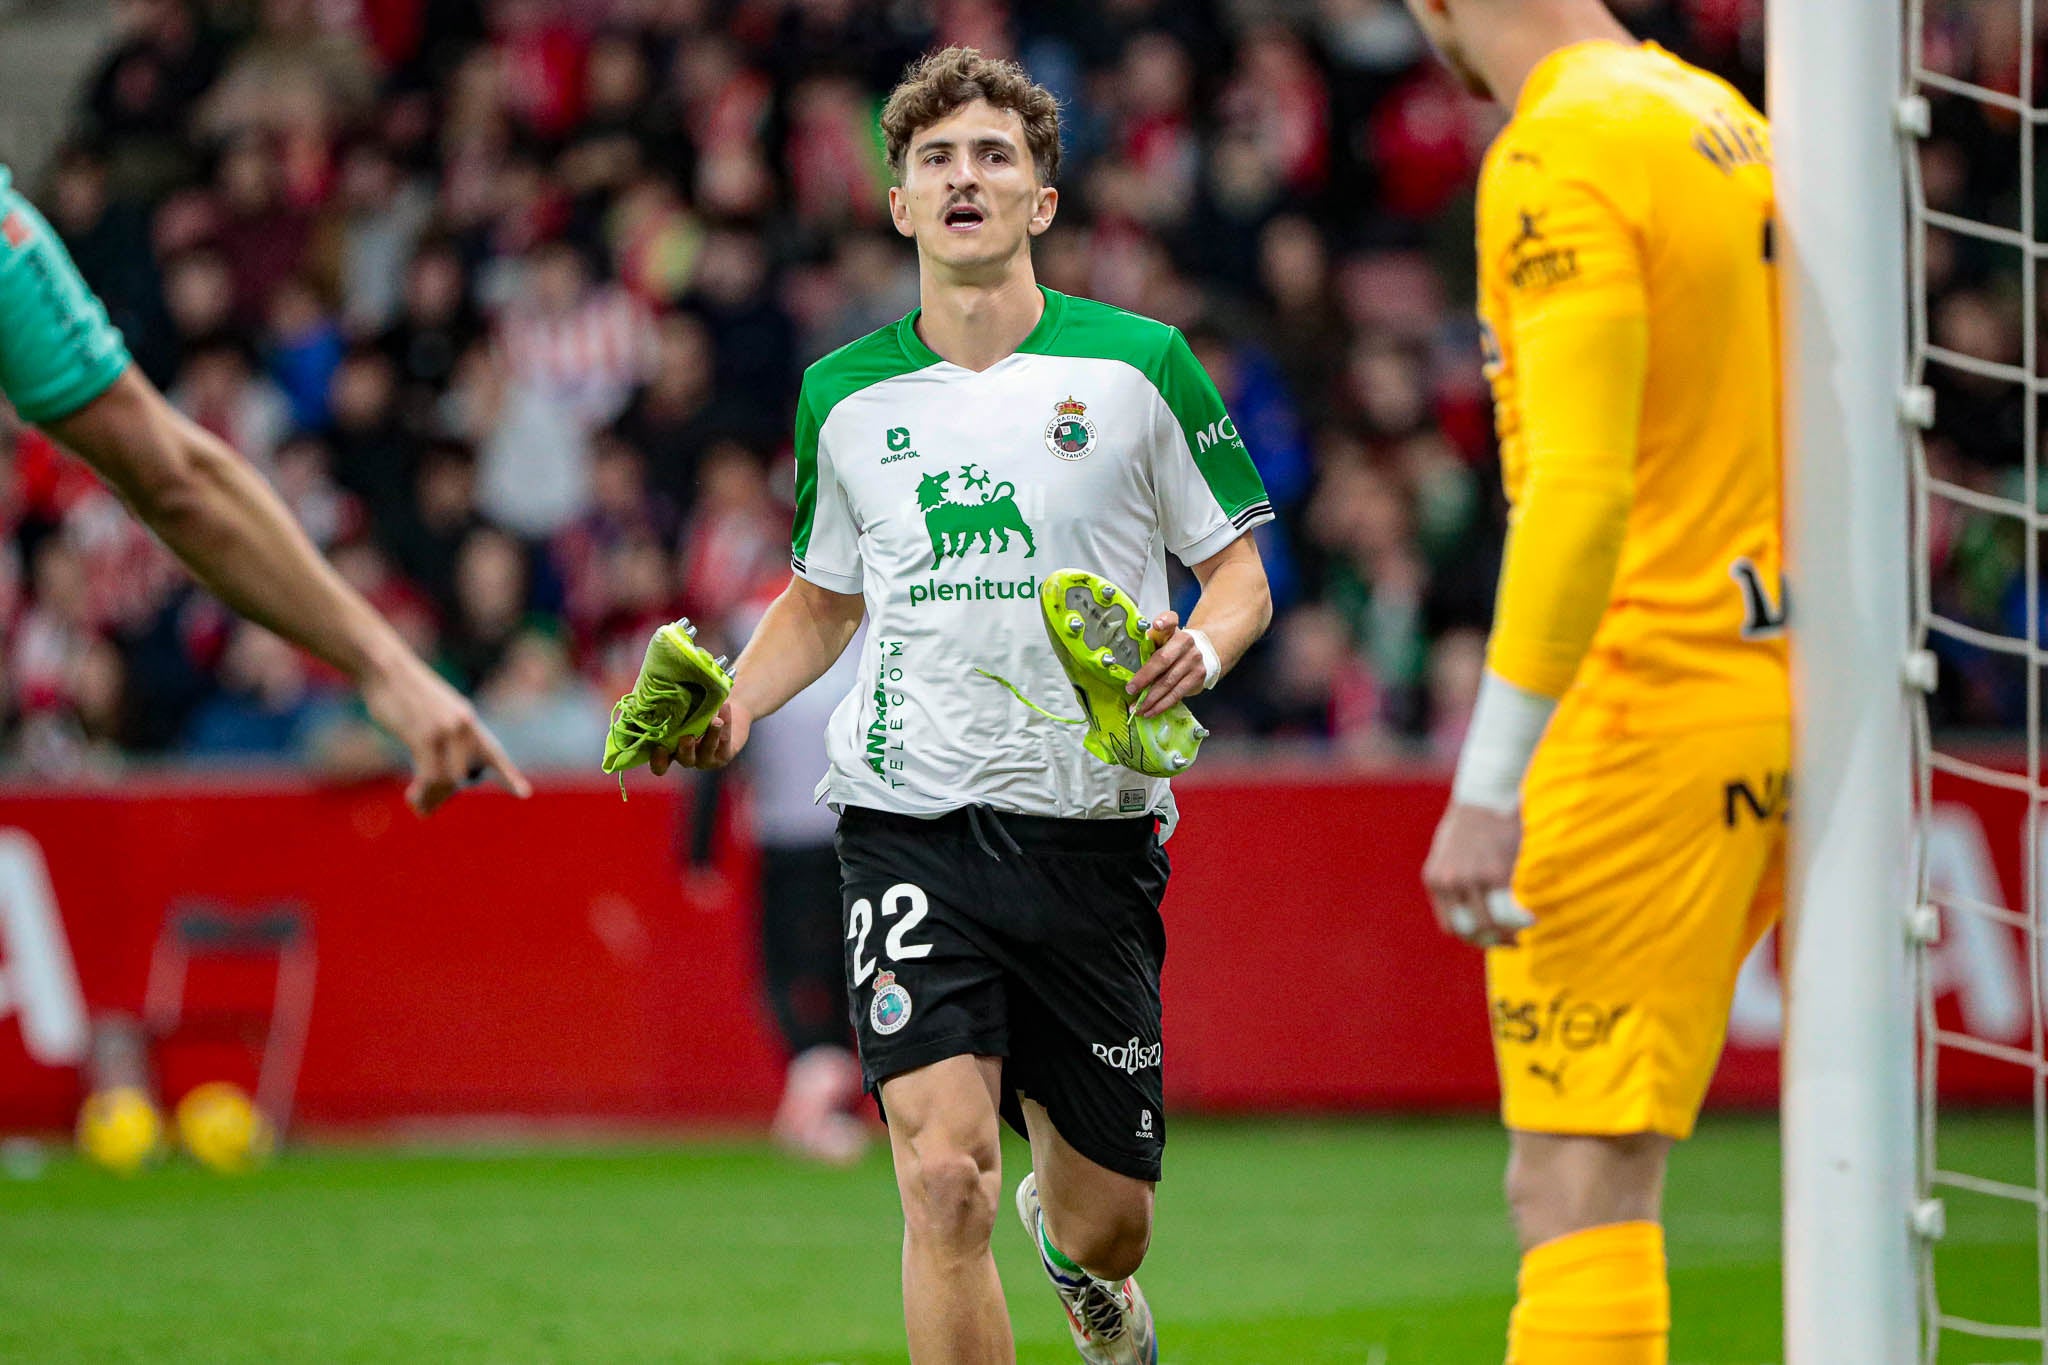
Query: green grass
[(1278, 1244)]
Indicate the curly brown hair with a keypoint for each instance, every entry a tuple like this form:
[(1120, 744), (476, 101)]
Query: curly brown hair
[(941, 82)]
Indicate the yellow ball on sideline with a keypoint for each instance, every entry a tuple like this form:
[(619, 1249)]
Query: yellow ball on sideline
[(120, 1129), (223, 1129)]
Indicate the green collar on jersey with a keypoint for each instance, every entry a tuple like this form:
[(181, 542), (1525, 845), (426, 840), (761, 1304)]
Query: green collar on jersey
[(1039, 342)]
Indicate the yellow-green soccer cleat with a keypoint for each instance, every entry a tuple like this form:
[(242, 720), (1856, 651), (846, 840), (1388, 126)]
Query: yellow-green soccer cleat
[(1101, 640), (676, 696)]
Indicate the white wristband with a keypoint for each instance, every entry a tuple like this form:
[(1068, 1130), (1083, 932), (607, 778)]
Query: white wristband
[(1212, 666), (1507, 724)]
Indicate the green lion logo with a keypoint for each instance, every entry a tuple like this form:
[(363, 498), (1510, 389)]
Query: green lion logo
[(988, 522)]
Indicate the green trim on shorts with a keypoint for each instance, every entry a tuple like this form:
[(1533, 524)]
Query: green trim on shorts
[(58, 348)]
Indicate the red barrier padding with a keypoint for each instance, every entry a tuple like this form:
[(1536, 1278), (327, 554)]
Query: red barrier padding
[(548, 958)]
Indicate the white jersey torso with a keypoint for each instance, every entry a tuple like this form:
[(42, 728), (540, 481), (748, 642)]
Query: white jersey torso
[(945, 496)]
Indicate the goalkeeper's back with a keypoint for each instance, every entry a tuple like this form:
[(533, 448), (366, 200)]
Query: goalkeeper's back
[(1630, 184)]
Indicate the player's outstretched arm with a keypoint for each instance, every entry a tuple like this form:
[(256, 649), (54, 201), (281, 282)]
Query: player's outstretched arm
[(803, 633), (1235, 608), (224, 522)]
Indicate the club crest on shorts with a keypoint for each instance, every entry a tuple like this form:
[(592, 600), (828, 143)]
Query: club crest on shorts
[(890, 1009), (1070, 435)]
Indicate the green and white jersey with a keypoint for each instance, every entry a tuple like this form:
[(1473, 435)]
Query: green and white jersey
[(943, 495)]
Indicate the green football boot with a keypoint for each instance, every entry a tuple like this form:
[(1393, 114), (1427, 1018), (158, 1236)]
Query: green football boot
[(1101, 640), (677, 695)]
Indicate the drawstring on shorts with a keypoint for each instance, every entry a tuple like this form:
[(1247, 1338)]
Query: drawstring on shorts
[(976, 816)]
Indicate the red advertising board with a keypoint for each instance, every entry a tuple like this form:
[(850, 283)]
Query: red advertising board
[(548, 958)]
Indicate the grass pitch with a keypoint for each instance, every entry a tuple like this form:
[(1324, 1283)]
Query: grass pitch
[(1279, 1243)]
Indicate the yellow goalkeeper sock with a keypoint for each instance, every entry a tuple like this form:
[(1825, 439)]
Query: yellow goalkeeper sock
[(1596, 1297)]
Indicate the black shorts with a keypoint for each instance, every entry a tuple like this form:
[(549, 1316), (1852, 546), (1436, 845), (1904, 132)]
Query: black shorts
[(1022, 937)]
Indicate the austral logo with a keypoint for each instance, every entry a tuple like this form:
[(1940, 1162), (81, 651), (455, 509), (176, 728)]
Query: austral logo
[(1533, 261), (984, 527), (899, 446), (1070, 435)]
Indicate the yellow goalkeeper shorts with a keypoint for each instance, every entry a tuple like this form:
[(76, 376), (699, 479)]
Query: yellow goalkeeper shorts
[(1652, 865)]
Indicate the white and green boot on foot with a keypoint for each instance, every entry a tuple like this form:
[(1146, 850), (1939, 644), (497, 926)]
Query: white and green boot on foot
[(1111, 1323)]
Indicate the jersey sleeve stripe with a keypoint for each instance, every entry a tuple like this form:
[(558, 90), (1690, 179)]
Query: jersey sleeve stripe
[(1254, 512), (1226, 534), (831, 582)]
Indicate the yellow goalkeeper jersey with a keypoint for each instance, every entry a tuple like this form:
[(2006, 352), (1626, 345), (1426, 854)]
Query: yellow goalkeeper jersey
[(1626, 286)]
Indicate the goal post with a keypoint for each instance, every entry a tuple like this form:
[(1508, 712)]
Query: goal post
[(1835, 71)]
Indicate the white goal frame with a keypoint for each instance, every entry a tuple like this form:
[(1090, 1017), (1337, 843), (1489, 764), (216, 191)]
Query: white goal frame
[(1836, 72)]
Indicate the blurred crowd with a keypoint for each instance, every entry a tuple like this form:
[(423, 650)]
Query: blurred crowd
[(509, 300)]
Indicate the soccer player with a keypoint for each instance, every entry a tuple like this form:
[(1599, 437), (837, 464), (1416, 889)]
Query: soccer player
[(1624, 778), (1001, 887), (65, 367)]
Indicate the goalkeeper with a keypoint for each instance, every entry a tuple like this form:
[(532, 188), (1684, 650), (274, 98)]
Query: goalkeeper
[(65, 368), (1615, 834)]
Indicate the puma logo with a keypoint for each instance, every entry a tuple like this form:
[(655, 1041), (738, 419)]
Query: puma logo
[(1555, 1075)]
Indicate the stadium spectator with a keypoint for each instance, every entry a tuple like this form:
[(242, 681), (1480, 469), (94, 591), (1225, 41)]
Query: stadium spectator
[(532, 447), (544, 715), (372, 456), (262, 237), (579, 346), (624, 507), (268, 706), (219, 388), (379, 216), (733, 546), (55, 633), (303, 350), (199, 295), (139, 103), (491, 593), (435, 324)]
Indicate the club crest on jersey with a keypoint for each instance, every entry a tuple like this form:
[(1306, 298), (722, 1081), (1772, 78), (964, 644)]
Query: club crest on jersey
[(890, 1009), (1070, 435)]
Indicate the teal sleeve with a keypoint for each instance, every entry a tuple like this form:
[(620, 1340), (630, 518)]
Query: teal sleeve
[(58, 348)]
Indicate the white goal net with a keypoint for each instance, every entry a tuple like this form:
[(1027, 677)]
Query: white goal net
[(1971, 116)]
